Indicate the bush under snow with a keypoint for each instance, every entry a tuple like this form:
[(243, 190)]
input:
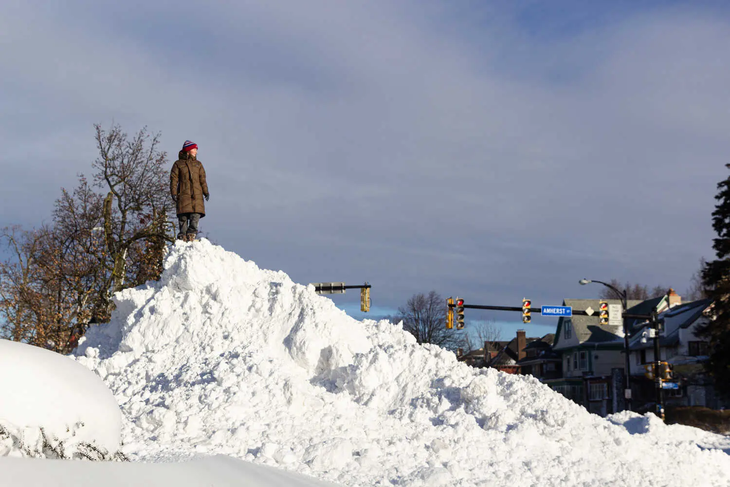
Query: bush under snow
[(51, 406)]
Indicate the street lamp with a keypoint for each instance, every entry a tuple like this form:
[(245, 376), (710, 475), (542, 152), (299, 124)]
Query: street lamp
[(624, 302)]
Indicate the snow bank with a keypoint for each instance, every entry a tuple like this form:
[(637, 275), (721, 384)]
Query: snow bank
[(212, 471), (220, 356), (52, 406)]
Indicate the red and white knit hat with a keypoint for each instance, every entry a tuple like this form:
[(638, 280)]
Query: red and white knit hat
[(189, 145)]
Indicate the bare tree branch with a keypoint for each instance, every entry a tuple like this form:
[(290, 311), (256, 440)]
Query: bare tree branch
[(424, 316)]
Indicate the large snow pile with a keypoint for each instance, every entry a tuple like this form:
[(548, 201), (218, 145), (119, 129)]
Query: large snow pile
[(220, 356), (50, 406)]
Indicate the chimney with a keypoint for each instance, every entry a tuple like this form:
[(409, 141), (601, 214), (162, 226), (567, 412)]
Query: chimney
[(521, 344), (674, 298), (486, 350)]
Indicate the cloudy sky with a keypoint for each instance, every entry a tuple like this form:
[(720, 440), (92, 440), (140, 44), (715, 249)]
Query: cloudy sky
[(490, 150)]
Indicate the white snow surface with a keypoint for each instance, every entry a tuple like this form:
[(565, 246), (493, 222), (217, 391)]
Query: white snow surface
[(46, 394), (221, 357), (217, 471)]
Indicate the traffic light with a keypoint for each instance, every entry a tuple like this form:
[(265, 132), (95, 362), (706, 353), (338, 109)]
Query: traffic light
[(365, 299), (449, 313), (665, 371), (603, 312), (459, 314), (526, 305), (650, 372)]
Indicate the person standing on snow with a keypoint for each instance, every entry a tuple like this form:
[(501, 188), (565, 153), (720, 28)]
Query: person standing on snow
[(188, 188)]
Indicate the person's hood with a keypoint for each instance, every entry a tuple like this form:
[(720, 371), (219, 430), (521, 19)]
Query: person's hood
[(184, 155)]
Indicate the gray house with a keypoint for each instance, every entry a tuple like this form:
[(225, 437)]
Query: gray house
[(593, 359)]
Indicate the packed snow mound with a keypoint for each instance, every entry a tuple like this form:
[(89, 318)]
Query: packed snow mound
[(221, 357), (210, 471), (50, 406)]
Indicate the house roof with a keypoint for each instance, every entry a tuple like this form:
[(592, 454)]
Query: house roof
[(510, 353), (643, 308), (496, 346), (588, 329), (542, 343), (544, 349), (548, 357), (679, 317), (473, 354)]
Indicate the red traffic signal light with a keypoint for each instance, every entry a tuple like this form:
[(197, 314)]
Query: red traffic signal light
[(526, 305), (459, 314), (603, 312)]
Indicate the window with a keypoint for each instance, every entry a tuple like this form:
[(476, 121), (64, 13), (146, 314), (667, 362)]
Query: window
[(567, 363), (568, 329), (577, 392), (698, 348), (575, 360), (583, 361), (597, 392)]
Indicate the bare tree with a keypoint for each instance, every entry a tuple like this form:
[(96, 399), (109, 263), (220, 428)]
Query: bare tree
[(60, 277), (697, 288), (634, 291), (479, 333), (82, 262), (137, 206), (19, 293), (424, 316), (57, 274)]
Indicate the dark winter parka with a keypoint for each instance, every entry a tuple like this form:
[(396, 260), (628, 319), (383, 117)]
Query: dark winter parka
[(188, 184)]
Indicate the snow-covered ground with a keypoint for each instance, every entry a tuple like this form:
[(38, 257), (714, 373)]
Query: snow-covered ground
[(221, 357), (218, 471)]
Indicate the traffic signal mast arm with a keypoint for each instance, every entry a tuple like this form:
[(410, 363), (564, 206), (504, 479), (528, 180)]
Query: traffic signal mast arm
[(336, 287), (339, 288), (539, 310)]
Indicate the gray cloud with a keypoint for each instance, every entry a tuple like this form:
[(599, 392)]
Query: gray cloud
[(416, 146)]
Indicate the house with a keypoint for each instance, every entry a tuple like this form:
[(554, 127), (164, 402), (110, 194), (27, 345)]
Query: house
[(472, 358), (511, 356), (482, 356), (680, 346), (593, 359), (541, 360)]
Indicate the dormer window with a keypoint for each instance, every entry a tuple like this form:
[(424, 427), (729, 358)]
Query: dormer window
[(568, 327)]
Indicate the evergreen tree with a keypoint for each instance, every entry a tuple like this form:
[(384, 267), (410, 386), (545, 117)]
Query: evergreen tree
[(716, 279)]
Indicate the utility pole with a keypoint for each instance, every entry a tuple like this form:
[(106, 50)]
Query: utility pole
[(656, 325)]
